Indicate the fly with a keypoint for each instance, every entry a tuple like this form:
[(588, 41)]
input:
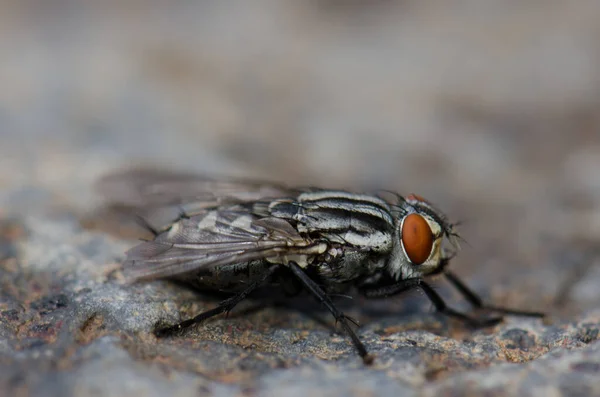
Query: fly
[(236, 236)]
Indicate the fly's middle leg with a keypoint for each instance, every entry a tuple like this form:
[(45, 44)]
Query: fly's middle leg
[(323, 298)]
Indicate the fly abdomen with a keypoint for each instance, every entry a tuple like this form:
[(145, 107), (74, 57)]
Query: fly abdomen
[(229, 278)]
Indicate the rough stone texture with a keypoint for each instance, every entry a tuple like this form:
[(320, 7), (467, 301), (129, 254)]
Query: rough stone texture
[(489, 109)]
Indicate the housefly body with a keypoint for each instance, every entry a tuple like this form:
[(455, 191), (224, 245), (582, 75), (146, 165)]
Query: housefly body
[(235, 236)]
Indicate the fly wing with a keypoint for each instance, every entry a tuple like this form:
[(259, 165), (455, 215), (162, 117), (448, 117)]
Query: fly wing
[(161, 196), (155, 188), (214, 238)]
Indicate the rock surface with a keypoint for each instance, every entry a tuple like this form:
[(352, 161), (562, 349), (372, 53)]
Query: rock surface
[(491, 111)]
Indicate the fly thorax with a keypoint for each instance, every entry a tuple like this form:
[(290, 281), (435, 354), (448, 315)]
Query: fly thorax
[(303, 258), (340, 217)]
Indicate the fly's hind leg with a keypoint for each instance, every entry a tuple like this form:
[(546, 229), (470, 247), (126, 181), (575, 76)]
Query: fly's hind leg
[(223, 307)]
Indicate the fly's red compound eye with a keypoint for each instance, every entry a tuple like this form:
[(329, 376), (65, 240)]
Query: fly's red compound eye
[(417, 238), (416, 197)]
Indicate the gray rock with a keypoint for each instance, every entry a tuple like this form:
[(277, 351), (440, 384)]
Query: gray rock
[(71, 327)]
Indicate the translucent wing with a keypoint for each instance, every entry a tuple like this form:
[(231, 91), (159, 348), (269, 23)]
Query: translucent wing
[(146, 187), (160, 196), (214, 238)]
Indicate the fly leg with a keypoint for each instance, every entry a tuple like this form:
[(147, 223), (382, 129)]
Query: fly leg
[(476, 301), (441, 307), (322, 297), (384, 291), (223, 307)]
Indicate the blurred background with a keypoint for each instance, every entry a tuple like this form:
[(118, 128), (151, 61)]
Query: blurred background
[(490, 109)]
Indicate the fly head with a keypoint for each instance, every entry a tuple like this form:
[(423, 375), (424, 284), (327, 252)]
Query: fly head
[(419, 236)]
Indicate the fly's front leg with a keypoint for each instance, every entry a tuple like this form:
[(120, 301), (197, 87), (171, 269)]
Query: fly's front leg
[(384, 291), (441, 307), (223, 307), (477, 302), (322, 297), (374, 292)]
